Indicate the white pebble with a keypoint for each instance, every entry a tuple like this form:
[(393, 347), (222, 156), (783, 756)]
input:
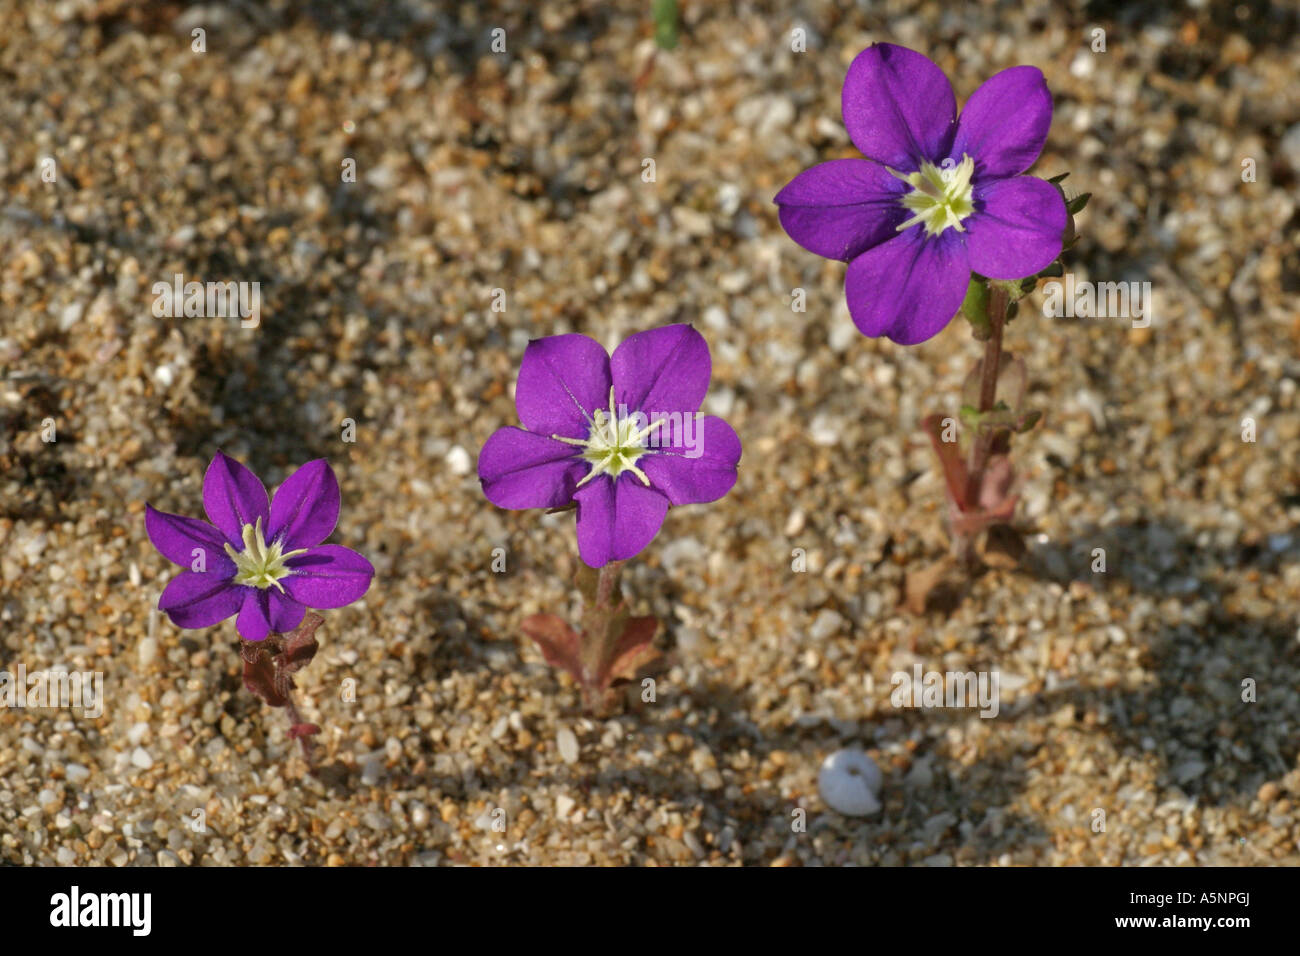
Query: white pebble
[(1081, 66), (849, 782), (715, 318), (824, 431), (842, 334), (826, 625), (70, 316), (564, 805), (75, 772), (568, 745), (458, 461), (140, 758)]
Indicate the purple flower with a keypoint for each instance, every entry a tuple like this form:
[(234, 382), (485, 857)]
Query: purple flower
[(266, 564), (619, 436), (936, 198)]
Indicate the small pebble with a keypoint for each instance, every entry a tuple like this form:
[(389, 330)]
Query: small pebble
[(568, 745)]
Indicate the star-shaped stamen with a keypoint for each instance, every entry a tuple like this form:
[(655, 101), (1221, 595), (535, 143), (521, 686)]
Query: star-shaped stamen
[(260, 565), (613, 445)]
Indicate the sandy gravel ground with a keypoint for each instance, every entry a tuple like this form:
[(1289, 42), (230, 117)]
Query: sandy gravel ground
[(1120, 691)]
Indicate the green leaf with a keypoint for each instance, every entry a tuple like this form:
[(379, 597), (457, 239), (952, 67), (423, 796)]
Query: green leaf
[(1076, 204), (1028, 421), (975, 307), (664, 13)]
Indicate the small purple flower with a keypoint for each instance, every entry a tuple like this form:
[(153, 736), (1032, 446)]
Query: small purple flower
[(266, 564), (619, 436), (936, 198)]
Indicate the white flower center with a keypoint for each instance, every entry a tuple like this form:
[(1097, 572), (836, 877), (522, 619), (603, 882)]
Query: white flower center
[(260, 565), (940, 198), (613, 444)]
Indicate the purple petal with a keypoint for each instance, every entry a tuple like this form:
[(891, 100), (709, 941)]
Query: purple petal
[(519, 469), (842, 208), (562, 380), (1004, 124), (267, 611), (233, 496), (908, 288), (898, 107), (177, 538), (328, 576), (662, 370), (705, 472), (254, 621), (617, 519), (1017, 227), (305, 508), (286, 613), (196, 599)]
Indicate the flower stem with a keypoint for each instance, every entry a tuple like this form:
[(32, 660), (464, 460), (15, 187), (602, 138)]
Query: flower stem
[(982, 446), (295, 718), (600, 631)]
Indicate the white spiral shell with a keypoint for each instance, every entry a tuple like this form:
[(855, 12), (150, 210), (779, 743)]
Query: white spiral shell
[(849, 782)]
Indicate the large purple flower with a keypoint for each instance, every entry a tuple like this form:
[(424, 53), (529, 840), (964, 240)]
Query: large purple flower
[(936, 198), (264, 563), (619, 436)]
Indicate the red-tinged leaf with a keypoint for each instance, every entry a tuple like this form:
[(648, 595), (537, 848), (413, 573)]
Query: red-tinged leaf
[(633, 651), (998, 497), (299, 645), (260, 676), (950, 459), (559, 643), (302, 730), (997, 482)]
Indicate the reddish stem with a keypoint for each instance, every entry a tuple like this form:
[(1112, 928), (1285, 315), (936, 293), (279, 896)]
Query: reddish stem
[(983, 444), (295, 718), (598, 637)]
